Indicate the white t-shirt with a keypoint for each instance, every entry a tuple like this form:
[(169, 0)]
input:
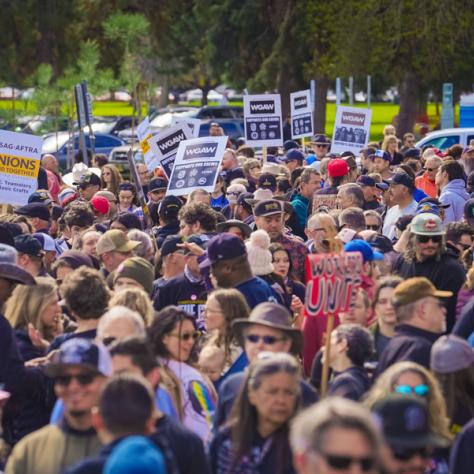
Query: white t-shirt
[(392, 216)]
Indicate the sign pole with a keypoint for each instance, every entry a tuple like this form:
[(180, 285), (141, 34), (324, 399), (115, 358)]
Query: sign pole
[(139, 188), (81, 119), (351, 90), (369, 90), (327, 353), (338, 91), (264, 154)]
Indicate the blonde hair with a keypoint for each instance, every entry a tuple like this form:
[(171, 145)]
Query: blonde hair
[(469, 285), (387, 140), (385, 383), (135, 299), (27, 302), (326, 222)]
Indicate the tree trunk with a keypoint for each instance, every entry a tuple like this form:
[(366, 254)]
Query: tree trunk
[(165, 89), (205, 90), (322, 85), (409, 103)]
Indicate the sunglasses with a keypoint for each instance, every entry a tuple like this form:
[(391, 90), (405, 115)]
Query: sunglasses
[(321, 146), (270, 340), (430, 169), (107, 341), (83, 379), (404, 454), (344, 462), (373, 227), (424, 239), (421, 390), (186, 336)]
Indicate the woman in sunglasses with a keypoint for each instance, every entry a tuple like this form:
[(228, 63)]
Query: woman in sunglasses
[(173, 335), (410, 378), (110, 179), (256, 438)]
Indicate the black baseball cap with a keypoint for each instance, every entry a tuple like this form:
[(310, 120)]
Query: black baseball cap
[(267, 181), (27, 244), (169, 206), (242, 200), (402, 178), (320, 140), (381, 243), (404, 422), (365, 180), (194, 239), (157, 184), (268, 208), (88, 179), (223, 247), (170, 245), (412, 153), (35, 209)]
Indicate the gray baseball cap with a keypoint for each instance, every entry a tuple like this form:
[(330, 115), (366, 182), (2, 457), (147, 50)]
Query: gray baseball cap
[(450, 354)]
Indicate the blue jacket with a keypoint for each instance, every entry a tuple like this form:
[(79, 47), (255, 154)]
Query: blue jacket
[(300, 205), (455, 194)]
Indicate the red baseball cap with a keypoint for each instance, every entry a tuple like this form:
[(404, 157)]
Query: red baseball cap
[(338, 168), (100, 204)]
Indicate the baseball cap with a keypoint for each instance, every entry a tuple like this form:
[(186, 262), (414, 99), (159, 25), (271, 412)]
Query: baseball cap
[(450, 354), (169, 207), (416, 288), (412, 153), (402, 178), (427, 207), (194, 239), (76, 259), (79, 352), (337, 168), (139, 270), (403, 420), (46, 241), (243, 200), (115, 240), (365, 180), (380, 154), (157, 184), (100, 204), (40, 196), (293, 155), (380, 243), (27, 244), (9, 270), (267, 181), (350, 160), (382, 186), (35, 209), (427, 224), (434, 201), (268, 207), (223, 247), (368, 253), (109, 195), (88, 179), (170, 245), (290, 145), (320, 140)]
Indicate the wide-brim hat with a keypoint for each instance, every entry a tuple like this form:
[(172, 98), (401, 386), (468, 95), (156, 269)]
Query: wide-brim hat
[(75, 175), (12, 272), (245, 228), (271, 315), (259, 195)]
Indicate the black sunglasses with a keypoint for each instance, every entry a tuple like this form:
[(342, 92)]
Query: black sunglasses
[(270, 340), (344, 462), (424, 239), (404, 454), (107, 341), (373, 227), (83, 379)]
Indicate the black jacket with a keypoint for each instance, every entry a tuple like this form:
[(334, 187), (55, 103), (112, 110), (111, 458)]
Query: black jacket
[(352, 384), (447, 274), (464, 326), (408, 343), (462, 454), (160, 233)]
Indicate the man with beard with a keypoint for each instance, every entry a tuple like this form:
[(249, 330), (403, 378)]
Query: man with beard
[(79, 369), (426, 255)]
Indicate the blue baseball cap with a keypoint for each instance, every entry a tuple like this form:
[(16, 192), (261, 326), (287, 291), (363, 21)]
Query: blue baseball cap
[(365, 180), (290, 145), (380, 154), (427, 207), (368, 253), (293, 155), (225, 246)]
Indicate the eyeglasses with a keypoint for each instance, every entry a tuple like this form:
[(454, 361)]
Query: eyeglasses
[(373, 227), (424, 239), (404, 454), (344, 462), (234, 193), (430, 169), (421, 390), (82, 379), (269, 340), (106, 174), (186, 336), (107, 341), (209, 310)]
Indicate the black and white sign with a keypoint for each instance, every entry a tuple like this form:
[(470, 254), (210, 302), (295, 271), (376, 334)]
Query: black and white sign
[(262, 119), (301, 114), (351, 129), (197, 165), (165, 145), (194, 124)]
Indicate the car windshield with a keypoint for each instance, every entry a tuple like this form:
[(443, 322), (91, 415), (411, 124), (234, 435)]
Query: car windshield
[(164, 120), (52, 143), (103, 127)]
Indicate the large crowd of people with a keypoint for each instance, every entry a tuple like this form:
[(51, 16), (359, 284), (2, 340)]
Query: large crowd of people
[(171, 335)]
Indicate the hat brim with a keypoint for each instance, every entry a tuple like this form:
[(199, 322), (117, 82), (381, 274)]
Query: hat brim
[(54, 370), (245, 228), (68, 178), (271, 213), (441, 232), (377, 256), (14, 273), (130, 245), (442, 294), (296, 336), (429, 440)]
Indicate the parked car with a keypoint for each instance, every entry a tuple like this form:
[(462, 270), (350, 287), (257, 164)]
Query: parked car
[(233, 128), (58, 144), (443, 139), (119, 158), (112, 125), (220, 112), (45, 124)]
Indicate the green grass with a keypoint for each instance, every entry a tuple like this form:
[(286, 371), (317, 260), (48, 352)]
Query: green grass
[(382, 113)]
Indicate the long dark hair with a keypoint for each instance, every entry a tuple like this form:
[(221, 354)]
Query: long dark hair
[(164, 323), (244, 417)]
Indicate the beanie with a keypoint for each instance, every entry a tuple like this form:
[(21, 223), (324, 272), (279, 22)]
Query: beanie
[(138, 269), (259, 255)]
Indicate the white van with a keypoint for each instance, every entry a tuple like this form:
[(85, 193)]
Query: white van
[(447, 137)]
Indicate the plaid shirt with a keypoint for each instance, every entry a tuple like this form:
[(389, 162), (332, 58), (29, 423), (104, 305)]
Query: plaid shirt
[(298, 252)]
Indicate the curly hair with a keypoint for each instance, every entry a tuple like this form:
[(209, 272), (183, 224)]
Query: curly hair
[(135, 299), (385, 384), (79, 214), (199, 212), (410, 252), (86, 293), (360, 342)]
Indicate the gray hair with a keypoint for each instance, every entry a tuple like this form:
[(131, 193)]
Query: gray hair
[(354, 218), (405, 312), (121, 312), (372, 213), (146, 248), (354, 191)]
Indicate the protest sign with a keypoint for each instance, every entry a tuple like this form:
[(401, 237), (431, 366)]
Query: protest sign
[(262, 120), (193, 124), (324, 200), (351, 129), (197, 165), (301, 114), (165, 145), (144, 134), (20, 155)]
